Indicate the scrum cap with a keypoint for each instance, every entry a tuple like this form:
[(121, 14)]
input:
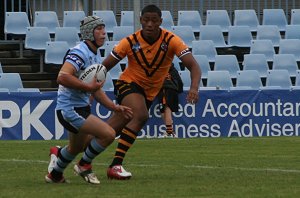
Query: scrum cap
[(87, 26)]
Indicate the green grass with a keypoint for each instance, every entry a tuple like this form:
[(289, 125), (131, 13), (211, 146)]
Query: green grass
[(221, 167)]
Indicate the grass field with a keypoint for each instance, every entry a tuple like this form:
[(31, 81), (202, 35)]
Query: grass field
[(207, 167)]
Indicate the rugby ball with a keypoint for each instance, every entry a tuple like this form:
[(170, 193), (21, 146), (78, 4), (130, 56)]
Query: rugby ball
[(91, 71)]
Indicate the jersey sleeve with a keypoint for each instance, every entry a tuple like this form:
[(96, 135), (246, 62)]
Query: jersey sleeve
[(179, 47), (121, 49), (76, 58)]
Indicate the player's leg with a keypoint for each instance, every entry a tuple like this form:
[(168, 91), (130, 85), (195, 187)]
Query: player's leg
[(168, 120), (129, 133)]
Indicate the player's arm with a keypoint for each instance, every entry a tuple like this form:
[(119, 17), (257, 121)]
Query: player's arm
[(102, 98), (67, 78), (109, 62)]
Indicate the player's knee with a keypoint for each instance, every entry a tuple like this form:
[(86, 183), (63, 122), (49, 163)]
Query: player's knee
[(142, 118)]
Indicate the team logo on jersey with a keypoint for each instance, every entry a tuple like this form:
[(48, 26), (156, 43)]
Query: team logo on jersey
[(75, 59), (164, 46), (136, 47)]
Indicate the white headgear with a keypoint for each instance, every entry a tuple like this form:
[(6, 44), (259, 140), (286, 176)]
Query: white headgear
[(87, 26)]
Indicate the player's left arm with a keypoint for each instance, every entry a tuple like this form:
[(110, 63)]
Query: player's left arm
[(101, 97)]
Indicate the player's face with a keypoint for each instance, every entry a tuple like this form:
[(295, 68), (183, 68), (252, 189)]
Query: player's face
[(99, 35), (150, 22)]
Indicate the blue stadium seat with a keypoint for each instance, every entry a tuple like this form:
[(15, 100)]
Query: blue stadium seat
[(274, 17), (246, 18), (11, 81), (227, 62), (1, 70), (278, 79), (47, 19), (239, 36), (204, 47), (115, 71), (295, 17), (263, 47), (218, 17), (55, 52), (297, 82), (190, 18), (186, 33), (167, 19), (214, 33), (73, 19), (248, 78), (109, 18), (68, 34), (121, 32), (203, 62), (219, 79), (6, 90), (176, 61), (28, 90), (290, 46), (292, 32), (108, 85), (15, 25), (127, 18), (186, 79), (269, 32), (285, 61), (256, 62)]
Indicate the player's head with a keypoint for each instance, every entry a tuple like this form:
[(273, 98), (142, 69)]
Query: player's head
[(151, 21), (88, 25)]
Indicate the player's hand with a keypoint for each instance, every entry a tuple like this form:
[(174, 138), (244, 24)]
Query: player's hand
[(126, 111), (94, 85), (192, 96)]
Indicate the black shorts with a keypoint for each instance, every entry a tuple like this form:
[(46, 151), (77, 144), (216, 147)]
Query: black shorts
[(168, 97), (74, 118), (123, 88)]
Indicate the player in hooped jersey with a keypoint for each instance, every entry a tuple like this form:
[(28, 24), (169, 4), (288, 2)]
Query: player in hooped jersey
[(150, 52), (87, 132)]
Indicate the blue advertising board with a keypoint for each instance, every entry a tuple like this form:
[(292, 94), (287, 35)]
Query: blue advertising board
[(219, 113)]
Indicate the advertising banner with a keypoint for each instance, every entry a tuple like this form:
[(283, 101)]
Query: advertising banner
[(219, 113)]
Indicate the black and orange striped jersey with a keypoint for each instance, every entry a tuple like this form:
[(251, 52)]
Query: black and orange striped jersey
[(148, 64)]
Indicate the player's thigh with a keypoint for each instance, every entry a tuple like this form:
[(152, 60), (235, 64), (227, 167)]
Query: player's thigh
[(96, 127)]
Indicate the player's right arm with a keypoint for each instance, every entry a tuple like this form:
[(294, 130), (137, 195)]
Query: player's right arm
[(67, 78)]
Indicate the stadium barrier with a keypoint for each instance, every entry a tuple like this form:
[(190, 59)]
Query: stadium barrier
[(219, 113)]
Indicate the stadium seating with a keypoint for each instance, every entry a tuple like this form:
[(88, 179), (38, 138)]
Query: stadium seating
[(115, 71), (55, 52), (6, 90), (28, 90), (127, 18), (47, 19), (292, 32), (278, 79), (121, 32), (68, 34), (218, 17), (190, 18), (295, 17), (219, 79), (203, 62), (239, 36), (227, 62), (246, 18), (274, 17), (11, 81), (176, 61), (256, 62), (108, 85), (186, 33), (269, 32), (248, 78), (297, 82), (73, 19), (15, 25), (214, 33), (109, 17), (1, 70), (36, 39), (290, 46), (167, 19), (285, 61), (186, 79), (263, 47), (204, 47)]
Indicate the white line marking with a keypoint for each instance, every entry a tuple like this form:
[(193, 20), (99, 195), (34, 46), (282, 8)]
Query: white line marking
[(156, 165)]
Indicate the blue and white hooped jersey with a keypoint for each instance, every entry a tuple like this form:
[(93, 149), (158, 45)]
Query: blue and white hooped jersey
[(80, 57)]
